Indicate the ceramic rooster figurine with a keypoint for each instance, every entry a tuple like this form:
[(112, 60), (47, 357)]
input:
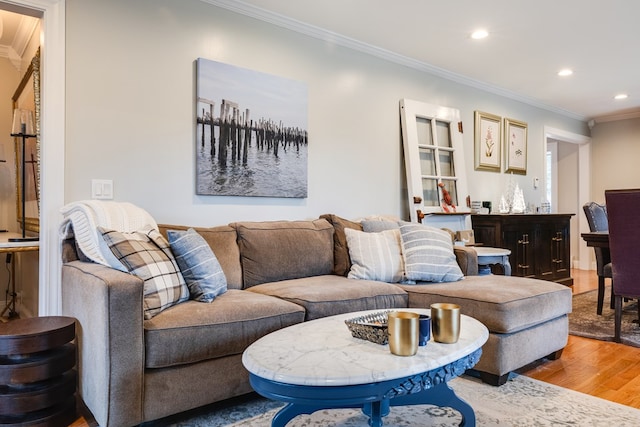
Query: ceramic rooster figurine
[(447, 202)]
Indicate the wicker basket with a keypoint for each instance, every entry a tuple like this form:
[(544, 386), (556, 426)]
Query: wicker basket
[(371, 327)]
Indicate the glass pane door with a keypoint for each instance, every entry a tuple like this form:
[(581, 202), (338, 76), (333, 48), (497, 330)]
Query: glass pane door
[(434, 158)]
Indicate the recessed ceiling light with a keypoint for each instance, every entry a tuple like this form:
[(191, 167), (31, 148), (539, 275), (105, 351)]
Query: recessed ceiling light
[(565, 72), (621, 96), (479, 34)]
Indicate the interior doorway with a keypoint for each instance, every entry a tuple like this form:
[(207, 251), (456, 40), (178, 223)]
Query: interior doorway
[(568, 185), (20, 75), (52, 119)]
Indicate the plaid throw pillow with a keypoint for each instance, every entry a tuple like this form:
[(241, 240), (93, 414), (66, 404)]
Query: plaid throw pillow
[(428, 254), (146, 254)]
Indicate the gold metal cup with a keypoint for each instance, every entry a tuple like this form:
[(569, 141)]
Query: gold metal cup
[(403, 328), (445, 322)]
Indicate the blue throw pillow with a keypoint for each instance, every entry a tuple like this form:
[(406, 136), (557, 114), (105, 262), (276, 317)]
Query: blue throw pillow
[(198, 264)]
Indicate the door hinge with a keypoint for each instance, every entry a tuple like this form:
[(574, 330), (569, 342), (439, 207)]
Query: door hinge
[(460, 127)]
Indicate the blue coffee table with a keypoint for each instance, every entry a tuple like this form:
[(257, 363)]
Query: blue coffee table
[(318, 365)]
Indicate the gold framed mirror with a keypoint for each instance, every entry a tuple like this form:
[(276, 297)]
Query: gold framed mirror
[(27, 96)]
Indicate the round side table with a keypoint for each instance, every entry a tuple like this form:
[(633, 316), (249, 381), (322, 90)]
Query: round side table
[(489, 256), (37, 379)]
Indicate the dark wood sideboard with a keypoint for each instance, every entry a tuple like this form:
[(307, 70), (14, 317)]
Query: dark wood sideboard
[(539, 243)]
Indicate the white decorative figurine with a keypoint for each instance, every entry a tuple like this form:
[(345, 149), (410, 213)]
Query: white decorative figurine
[(503, 207), (519, 205)]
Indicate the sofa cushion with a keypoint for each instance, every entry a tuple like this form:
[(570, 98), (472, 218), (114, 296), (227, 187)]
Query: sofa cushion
[(378, 225), (222, 241), (323, 296), (341, 260), (191, 332), (281, 250), (375, 256), (504, 304), (198, 265), (146, 254), (428, 254)]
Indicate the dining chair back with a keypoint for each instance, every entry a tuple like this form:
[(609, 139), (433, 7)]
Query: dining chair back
[(597, 218), (624, 237)]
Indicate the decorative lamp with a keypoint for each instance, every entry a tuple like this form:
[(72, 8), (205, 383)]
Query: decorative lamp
[(22, 123), (22, 127)]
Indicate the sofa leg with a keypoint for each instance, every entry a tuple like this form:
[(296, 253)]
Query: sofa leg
[(555, 355), (493, 379)]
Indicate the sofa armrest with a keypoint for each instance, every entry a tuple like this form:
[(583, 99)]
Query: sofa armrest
[(107, 304), (467, 260)]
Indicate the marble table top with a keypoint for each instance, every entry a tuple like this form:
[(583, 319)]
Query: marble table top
[(322, 352)]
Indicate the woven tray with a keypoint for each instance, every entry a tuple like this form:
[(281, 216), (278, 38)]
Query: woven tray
[(371, 327)]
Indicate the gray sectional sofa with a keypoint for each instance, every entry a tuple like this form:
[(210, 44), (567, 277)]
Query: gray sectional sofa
[(278, 273)]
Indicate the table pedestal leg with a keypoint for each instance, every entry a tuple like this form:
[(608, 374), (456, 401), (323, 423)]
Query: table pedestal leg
[(375, 411), (441, 395), (289, 412), (375, 399)]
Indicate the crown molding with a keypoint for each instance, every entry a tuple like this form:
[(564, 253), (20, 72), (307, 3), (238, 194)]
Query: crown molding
[(623, 115), (332, 37), (25, 30)]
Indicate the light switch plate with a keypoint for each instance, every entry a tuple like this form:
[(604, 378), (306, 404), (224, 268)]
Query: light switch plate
[(102, 189)]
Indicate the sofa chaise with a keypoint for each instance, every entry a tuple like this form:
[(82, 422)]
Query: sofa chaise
[(134, 369)]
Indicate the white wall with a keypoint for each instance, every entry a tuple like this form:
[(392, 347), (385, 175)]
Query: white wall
[(26, 262), (616, 150), (568, 190), (10, 78), (130, 108)]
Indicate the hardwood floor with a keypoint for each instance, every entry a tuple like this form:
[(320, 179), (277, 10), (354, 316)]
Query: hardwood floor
[(607, 370), (604, 369)]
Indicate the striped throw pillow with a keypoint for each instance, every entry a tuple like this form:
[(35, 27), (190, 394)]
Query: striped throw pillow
[(428, 254), (375, 256), (198, 265)]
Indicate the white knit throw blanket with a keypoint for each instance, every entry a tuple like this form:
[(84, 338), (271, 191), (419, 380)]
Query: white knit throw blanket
[(82, 219)]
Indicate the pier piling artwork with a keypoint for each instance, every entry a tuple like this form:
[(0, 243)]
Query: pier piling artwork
[(251, 131)]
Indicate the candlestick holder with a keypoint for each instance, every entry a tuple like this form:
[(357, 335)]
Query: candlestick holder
[(23, 128)]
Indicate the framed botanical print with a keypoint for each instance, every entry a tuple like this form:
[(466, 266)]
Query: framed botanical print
[(488, 146), (515, 139)]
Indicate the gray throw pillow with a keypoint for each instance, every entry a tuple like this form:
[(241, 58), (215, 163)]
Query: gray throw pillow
[(199, 266), (375, 256), (376, 226), (428, 254)]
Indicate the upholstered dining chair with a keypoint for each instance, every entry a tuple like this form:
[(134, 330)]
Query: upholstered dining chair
[(624, 234), (597, 218)]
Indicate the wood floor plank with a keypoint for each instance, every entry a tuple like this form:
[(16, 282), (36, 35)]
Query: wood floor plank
[(607, 370)]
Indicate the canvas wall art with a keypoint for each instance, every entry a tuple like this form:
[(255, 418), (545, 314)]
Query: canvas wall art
[(251, 133)]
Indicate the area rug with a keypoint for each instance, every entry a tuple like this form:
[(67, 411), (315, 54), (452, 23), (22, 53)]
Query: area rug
[(522, 402), (584, 322)]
